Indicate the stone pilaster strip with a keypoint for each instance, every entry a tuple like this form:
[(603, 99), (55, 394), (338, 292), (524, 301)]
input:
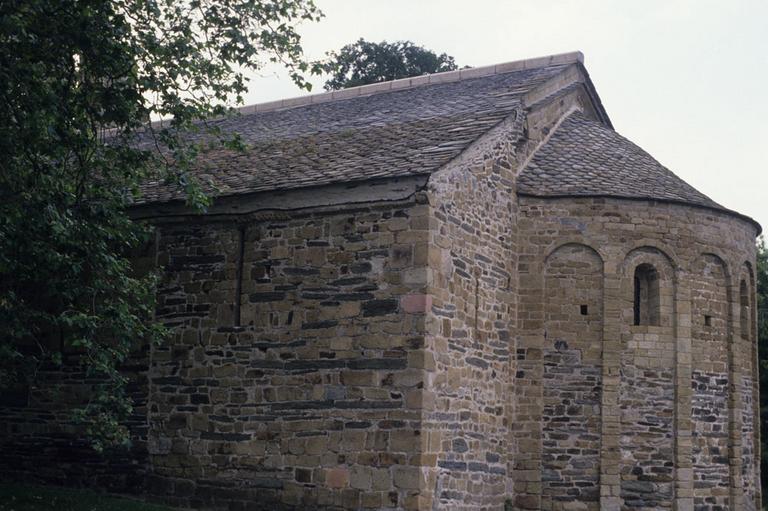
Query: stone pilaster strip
[(683, 359), (529, 391), (735, 400), (610, 452)]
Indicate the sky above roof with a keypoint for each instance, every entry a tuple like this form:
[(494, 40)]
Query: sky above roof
[(684, 80)]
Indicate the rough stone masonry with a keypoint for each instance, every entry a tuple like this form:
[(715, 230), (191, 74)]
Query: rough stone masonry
[(460, 291)]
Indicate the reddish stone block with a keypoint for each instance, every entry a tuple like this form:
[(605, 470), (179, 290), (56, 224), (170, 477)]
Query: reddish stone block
[(416, 304), (337, 477)]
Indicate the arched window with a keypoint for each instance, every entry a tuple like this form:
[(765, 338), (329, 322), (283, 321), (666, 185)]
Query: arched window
[(744, 309), (647, 300)]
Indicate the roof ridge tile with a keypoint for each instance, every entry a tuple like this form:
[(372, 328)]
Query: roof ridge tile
[(417, 81)]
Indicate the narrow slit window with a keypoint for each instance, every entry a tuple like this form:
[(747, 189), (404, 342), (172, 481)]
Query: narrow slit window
[(584, 310), (707, 320), (646, 295), (744, 309)]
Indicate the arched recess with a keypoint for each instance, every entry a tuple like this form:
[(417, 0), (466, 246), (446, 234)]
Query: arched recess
[(572, 375), (745, 371), (711, 326), (647, 387), (744, 309)]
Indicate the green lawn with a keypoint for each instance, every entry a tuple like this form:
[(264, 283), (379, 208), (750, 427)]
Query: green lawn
[(39, 498)]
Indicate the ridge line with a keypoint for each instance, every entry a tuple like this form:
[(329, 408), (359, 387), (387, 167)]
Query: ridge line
[(416, 81)]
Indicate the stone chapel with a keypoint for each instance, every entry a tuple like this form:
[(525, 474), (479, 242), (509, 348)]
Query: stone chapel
[(461, 291)]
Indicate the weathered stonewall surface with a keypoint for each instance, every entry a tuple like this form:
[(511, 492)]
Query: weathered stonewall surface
[(456, 292)]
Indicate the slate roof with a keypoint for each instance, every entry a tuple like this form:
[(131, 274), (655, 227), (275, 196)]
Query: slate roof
[(415, 126), (392, 134), (585, 158)]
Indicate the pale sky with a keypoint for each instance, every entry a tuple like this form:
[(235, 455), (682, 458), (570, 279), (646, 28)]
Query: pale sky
[(686, 80)]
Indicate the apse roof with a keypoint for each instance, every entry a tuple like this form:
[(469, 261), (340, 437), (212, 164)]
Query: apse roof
[(584, 157)]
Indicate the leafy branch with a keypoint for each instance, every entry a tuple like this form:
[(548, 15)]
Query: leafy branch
[(79, 83)]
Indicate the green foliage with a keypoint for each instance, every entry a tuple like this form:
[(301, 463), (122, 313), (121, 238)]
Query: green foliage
[(79, 79), (762, 353), (364, 62), (15, 497)]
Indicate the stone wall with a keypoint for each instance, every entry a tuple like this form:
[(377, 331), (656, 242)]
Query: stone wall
[(310, 392), (712, 363), (573, 316), (673, 432), (458, 347), (472, 281), (747, 418), (709, 414), (748, 463), (647, 388)]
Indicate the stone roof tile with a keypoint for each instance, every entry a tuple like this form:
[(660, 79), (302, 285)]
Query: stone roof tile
[(392, 133), (584, 157)]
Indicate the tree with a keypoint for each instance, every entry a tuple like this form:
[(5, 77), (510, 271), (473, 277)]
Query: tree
[(79, 79), (364, 62)]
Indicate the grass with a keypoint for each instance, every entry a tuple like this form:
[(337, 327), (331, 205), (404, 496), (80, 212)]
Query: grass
[(16, 497)]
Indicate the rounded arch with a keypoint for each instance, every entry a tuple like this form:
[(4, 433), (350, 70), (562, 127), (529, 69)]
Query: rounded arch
[(573, 269), (721, 260), (647, 244), (699, 270), (748, 267), (648, 286), (650, 253), (575, 241), (745, 299), (744, 309)]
